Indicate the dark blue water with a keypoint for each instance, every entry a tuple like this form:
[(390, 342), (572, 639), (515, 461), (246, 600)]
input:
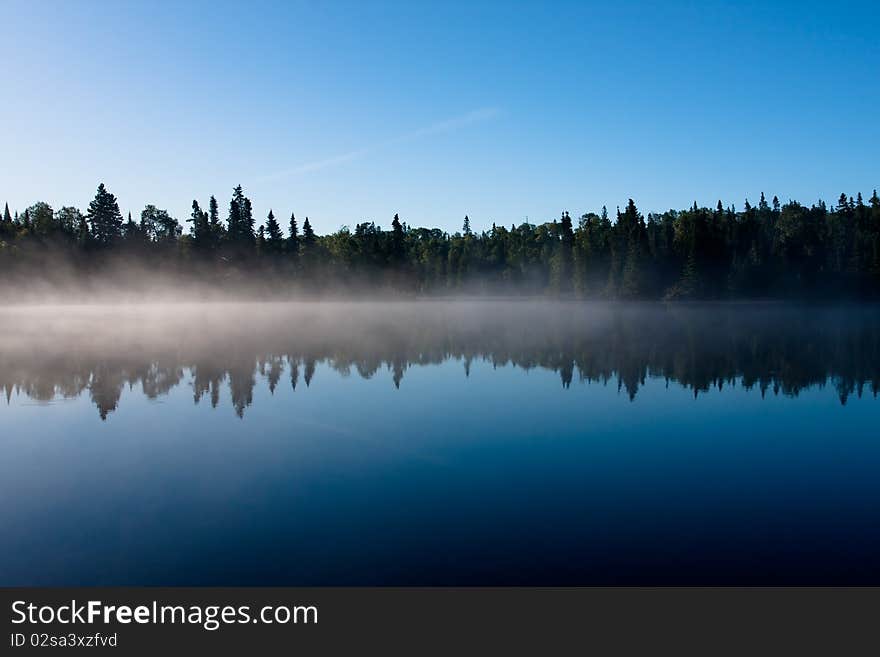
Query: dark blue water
[(455, 444)]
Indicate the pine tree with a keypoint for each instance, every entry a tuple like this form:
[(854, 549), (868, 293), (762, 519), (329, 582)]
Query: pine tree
[(214, 224), (560, 265), (130, 229), (398, 252), (274, 238), (466, 227), (308, 238), (104, 217), (247, 222), (293, 239), (201, 229), (633, 224), (5, 223), (233, 229)]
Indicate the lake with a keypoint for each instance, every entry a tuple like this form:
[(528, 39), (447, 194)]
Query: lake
[(440, 443)]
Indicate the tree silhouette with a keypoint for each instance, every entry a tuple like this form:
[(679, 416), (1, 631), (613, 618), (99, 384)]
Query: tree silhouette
[(104, 217), (274, 237)]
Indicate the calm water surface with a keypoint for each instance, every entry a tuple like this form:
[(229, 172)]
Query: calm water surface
[(440, 443)]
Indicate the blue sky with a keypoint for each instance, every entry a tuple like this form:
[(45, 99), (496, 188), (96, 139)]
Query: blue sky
[(354, 111)]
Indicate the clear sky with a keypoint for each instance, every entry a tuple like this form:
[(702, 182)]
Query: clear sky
[(354, 111)]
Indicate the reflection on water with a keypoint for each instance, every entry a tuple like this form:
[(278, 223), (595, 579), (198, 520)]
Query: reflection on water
[(48, 353), (440, 443)]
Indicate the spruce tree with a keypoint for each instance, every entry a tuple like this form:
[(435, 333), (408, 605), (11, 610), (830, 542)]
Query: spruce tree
[(308, 234), (130, 229), (247, 221), (634, 238), (274, 238), (104, 217), (566, 248), (215, 226), (398, 252), (233, 229), (5, 223), (293, 239), (201, 229)]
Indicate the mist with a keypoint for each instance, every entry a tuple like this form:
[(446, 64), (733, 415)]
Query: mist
[(58, 351)]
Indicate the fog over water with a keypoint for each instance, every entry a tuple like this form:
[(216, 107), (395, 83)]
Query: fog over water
[(439, 442), (62, 351)]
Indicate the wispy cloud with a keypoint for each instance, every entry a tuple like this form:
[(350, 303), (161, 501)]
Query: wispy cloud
[(440, 127)]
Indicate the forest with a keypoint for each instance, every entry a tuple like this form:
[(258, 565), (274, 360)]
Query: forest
[(766, 250)]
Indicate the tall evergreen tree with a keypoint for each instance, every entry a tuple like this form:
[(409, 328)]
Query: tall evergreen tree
[(234, 222), (308, 238), (104, 217), (216, 228), (130, 230), (293, 237), (274, 237), (561, 263), (247, 222), (398, 249), (201, 227), (632, 226)]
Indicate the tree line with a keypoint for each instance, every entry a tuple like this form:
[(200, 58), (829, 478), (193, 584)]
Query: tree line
[(764, 250)]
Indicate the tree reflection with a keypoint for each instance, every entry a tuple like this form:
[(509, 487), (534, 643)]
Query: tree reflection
[(773, 349)]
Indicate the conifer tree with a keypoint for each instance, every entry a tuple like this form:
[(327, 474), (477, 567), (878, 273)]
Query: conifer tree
[(293, 238), (308, 237), (233, 230), (274, 238), (398, 252), (201, 229), (247, 222), (130, 229), (104, 217), (215, 226)]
